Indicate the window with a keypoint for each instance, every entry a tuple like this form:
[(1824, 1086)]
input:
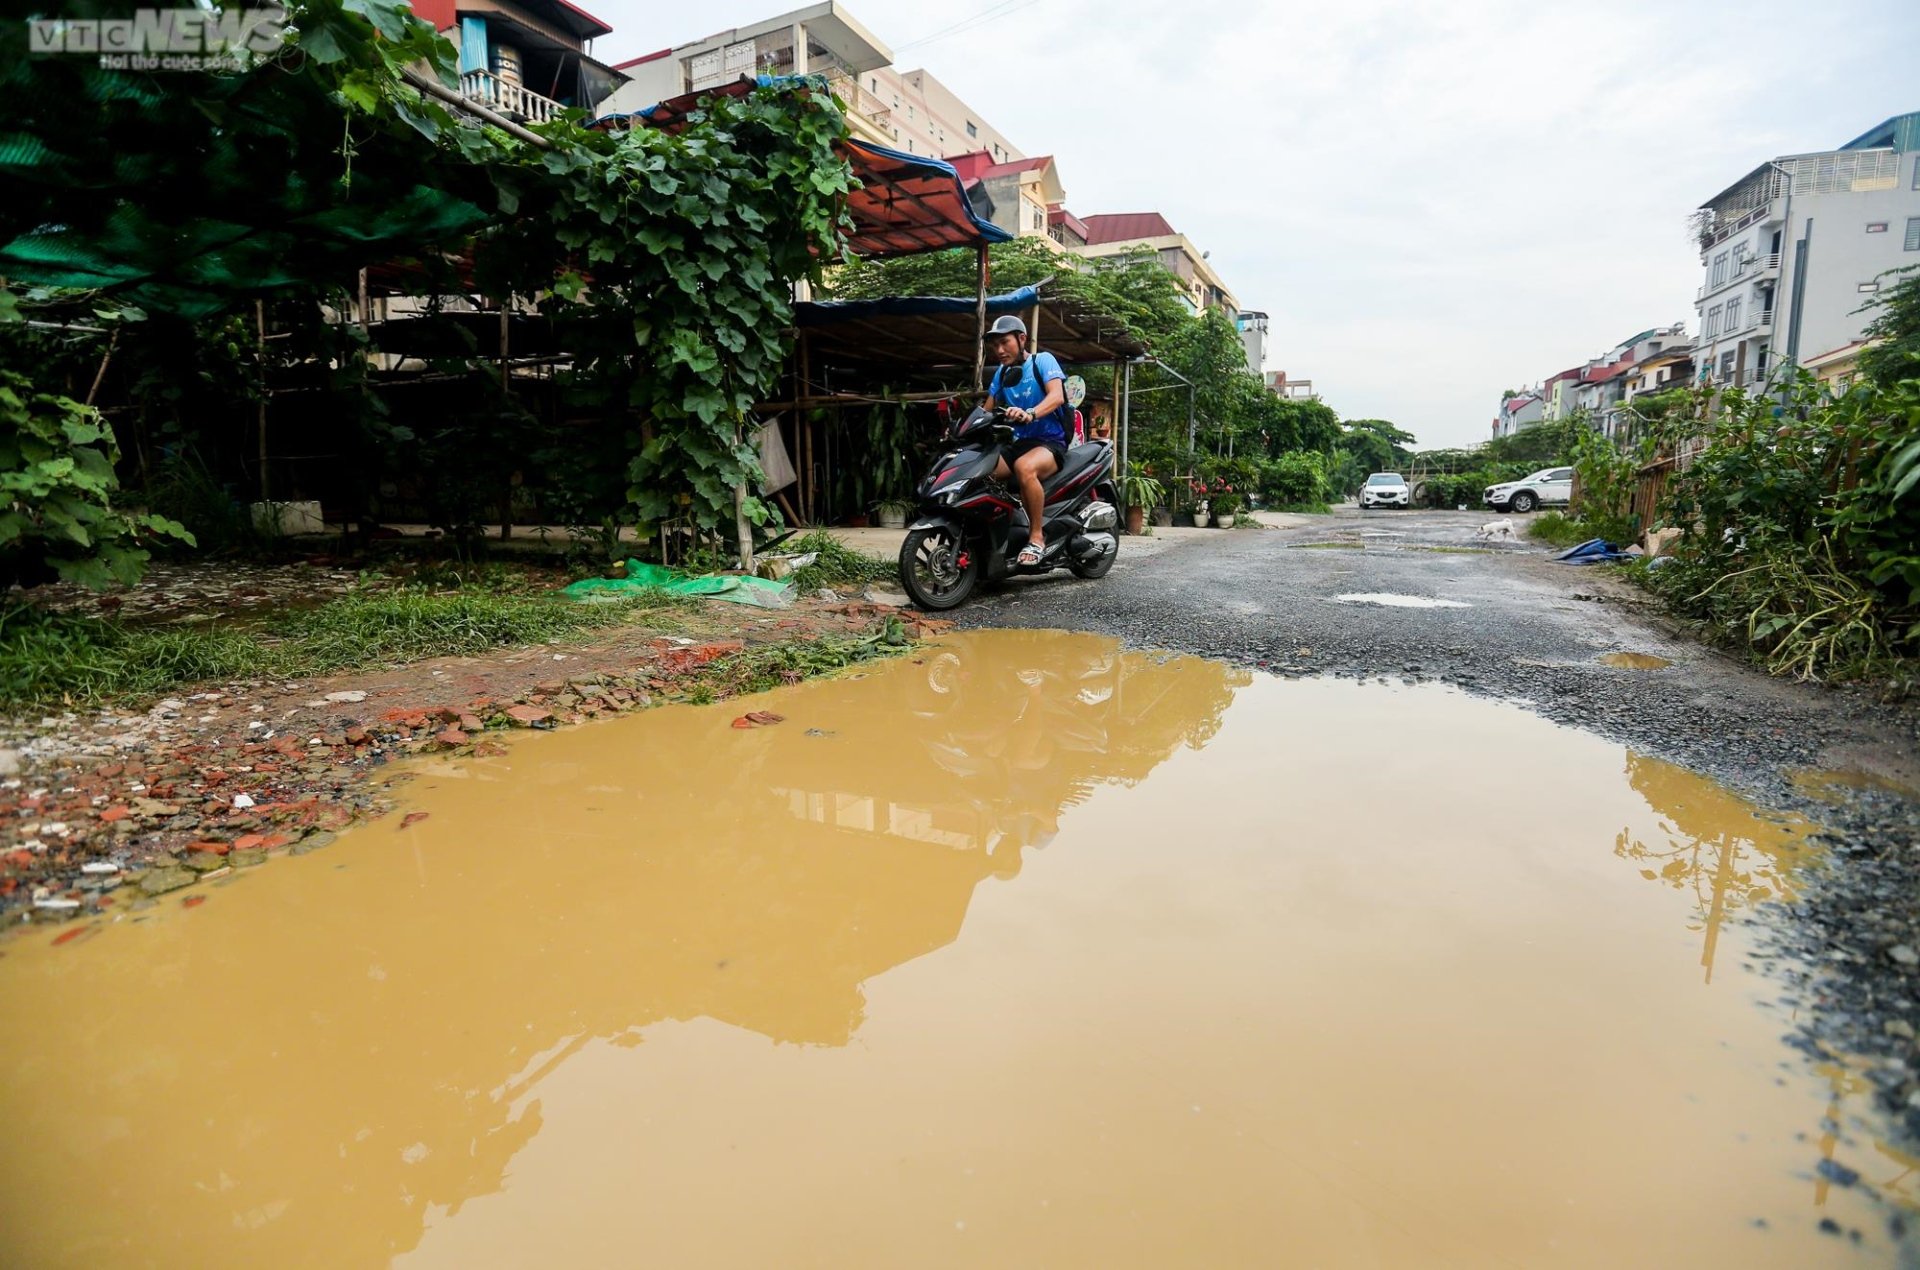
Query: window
[(1713, 322), (971, 130), (1877, 227), (1719, 269), (1039, 219), (1726, 367), (1733, 316), (1913, 233)]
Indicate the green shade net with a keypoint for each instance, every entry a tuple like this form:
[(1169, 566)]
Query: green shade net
[(188, 192), (641, 576)]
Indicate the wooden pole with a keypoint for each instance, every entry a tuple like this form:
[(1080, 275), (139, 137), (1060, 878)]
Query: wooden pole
[(1126, 419), (260, 411), (809, 503), (506, 506), (980, 326), (740, 524)]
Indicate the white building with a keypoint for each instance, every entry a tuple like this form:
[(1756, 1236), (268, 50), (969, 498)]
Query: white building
[(1795, 247), (906, 110), (1253, 338)]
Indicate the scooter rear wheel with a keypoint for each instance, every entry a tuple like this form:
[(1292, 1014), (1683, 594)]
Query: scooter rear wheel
[(932, 568)]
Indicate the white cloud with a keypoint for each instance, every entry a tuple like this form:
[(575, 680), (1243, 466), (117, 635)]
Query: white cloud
[(1434, 201)]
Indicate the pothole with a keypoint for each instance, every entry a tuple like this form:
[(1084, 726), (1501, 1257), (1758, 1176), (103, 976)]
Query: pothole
[(1635, 661), (1027, 950)]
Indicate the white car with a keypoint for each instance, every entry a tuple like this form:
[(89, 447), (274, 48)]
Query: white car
[(1549, 487), (1385, 489)]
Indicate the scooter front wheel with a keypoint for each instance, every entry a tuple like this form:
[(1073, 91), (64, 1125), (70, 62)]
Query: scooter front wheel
[(937, 568)]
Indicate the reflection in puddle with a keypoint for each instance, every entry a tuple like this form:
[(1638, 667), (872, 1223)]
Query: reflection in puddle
[(1836, 785), (1389, 600), (1635, 661), (1712, 845), (977, 960)]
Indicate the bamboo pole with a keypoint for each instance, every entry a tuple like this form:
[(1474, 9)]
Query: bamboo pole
[(980, 325)]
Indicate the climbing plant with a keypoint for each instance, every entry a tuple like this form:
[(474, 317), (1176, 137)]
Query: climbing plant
[(57, 486), (667, 261)]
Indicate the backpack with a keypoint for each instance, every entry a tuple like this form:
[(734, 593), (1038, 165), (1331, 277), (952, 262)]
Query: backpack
[(1068, 417)]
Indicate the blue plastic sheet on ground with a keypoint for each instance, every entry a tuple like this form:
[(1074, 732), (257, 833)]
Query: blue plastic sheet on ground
[(1593, 551)]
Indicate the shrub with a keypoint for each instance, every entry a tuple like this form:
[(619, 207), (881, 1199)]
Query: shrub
[(1290, 479), (57, 485)]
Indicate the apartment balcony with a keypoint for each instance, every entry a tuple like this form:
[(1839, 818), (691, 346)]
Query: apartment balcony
[(506, 97), (1750, 269)]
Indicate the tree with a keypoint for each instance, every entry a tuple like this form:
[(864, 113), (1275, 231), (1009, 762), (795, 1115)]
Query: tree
[(1896, 325)]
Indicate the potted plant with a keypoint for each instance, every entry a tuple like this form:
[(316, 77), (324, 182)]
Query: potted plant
[(1141, 492), (1226, 504), (893, 513), (1198, 489)]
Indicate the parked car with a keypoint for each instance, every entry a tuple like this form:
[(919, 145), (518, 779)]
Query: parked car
[(1385, 489), (1549, 487)]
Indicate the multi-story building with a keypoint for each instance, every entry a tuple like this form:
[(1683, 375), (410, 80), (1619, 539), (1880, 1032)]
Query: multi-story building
[(526, 59), (1018, 193), (1559, 393), (1292, 389), (907, 110), (1253, 338), (823, 39), (927, 117), (1113, 235), (1793, 249), (1519, 410)]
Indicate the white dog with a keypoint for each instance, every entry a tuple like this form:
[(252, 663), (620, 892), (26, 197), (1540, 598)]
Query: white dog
[(1498, 530)]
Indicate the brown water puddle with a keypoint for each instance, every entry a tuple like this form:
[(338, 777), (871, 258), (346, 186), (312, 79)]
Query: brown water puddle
[(1635, 661), (1835, 785), (975, 960)]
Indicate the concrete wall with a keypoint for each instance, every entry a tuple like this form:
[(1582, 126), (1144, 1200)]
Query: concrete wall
[(1840, 257)]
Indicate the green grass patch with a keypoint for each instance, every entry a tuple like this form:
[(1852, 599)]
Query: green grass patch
[(775, 665), (1302, 509), (839, 566), (54, 659), (1558, 530)]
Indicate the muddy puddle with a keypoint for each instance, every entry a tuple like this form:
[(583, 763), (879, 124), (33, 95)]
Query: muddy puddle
[(1025, 952), (1387, 599), (1634, 661)]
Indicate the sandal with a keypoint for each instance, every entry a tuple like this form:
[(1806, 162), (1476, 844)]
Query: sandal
[(1028, 557)]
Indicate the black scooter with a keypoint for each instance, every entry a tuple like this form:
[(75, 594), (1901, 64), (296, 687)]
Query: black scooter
[(970, 527)]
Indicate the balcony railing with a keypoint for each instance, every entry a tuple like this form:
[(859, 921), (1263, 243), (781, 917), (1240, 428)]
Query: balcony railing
[(846, 86), (1748, 267), (510, 99)]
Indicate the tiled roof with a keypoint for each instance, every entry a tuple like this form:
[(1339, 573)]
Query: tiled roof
[(1122, 226)]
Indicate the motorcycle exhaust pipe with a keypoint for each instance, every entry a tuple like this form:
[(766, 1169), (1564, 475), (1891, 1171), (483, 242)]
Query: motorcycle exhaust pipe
[(1089, 547)]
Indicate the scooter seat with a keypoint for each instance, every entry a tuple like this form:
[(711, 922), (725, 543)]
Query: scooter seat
[(1083, 465)]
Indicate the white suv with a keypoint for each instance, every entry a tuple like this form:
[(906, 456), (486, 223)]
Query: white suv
[(1549, 487), (1385, 489)]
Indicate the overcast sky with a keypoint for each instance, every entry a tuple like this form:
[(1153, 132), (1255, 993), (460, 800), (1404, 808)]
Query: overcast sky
[(1434, 201)]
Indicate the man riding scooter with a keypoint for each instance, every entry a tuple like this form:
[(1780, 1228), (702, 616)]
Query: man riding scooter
[(1033, 391)]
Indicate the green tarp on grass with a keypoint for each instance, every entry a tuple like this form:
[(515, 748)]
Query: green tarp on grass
[(641, 576)]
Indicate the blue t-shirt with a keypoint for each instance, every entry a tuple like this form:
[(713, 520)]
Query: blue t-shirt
[(1026, 390)]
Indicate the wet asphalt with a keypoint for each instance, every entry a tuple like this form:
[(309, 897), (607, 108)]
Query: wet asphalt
[(1532, 631)]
